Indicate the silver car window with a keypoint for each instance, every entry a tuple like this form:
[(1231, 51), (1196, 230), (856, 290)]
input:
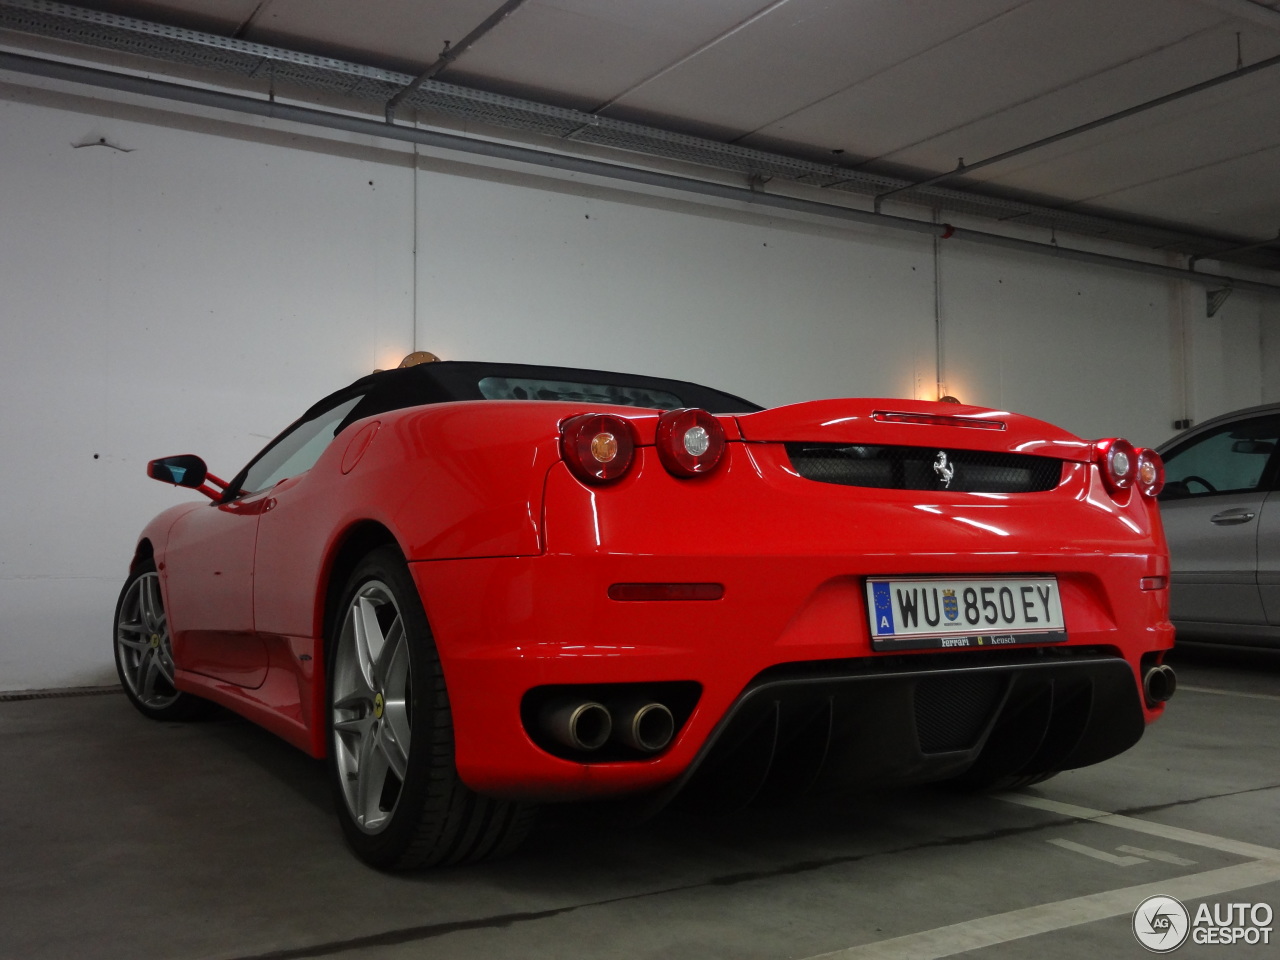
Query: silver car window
[(1230, 459)]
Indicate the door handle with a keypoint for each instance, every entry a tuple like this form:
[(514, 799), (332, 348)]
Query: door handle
[(1228, 517)]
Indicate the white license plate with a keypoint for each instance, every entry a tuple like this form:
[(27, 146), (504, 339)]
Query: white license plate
[(936, 613)]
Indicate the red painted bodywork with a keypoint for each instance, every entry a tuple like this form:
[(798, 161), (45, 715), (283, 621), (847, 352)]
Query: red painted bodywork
[(514, 558)]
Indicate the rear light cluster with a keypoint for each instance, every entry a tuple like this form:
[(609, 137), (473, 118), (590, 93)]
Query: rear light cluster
[(1123, 467), (690, 442), (1150, 479), (600, 447)]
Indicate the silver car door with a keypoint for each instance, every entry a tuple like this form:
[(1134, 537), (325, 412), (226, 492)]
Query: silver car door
[(1269, 557), (1213, 553), (1215, 487)]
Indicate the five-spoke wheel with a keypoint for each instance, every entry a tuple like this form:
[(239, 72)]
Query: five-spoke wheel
[(399, 797), (144, 654), (372, 706)]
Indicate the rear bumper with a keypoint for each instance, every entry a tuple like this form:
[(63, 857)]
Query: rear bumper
[(791, 627), (852, 723), (787, 649)]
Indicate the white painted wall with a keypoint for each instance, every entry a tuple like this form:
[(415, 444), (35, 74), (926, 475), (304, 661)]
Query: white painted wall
[(776, 311), (1090, 350), (196, 293), (191, 295), (1233, 353)]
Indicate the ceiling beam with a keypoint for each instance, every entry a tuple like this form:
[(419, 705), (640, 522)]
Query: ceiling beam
[(962, 168), (697, 52), (1247, 10), (248, 21), (451, 53)]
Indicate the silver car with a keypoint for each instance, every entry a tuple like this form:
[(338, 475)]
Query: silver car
[(1221, 511)]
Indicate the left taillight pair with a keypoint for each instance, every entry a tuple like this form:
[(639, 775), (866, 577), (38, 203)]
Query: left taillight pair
[(600, 447), (1123, 467)]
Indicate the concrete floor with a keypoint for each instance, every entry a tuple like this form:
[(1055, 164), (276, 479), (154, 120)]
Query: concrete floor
[(125, 838)]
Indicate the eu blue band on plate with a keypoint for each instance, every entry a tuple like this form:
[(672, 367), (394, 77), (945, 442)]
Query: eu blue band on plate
[(884, 608)]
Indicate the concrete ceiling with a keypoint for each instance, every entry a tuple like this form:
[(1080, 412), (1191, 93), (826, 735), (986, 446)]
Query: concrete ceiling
[(900, 88)]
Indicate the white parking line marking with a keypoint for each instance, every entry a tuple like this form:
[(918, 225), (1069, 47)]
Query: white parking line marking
[(1048, 917), (1251, 850), (1161, 855), (1228, 693), (1102, 855), (1264, 867)]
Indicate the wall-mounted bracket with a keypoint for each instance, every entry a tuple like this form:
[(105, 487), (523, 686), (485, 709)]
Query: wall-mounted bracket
[(1214, 299)]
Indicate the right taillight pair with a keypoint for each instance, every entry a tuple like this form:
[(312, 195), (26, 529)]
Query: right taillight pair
[(1123, 467), (600, 447)]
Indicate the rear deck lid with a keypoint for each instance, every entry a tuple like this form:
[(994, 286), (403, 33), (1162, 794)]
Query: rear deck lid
[(912, 423)]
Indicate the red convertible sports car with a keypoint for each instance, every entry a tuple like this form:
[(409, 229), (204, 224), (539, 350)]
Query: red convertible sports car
[(476, 587)]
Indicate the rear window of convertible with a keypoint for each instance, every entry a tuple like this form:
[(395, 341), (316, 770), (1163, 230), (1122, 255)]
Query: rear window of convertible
[(528, 388)]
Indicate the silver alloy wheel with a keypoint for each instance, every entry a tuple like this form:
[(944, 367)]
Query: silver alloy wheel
[(371, 710), (143, 647)]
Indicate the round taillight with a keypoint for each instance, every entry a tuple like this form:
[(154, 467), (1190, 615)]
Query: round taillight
[(598, 447), (690, 442), (1119, 461), (1150, 478)]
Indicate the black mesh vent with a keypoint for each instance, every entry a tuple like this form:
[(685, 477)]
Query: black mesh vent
[(924, 468), (952, 712)]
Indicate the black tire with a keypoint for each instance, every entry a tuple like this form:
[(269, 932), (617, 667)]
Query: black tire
[(391, 755), (996, 784), (1026, 780), (144, 651)]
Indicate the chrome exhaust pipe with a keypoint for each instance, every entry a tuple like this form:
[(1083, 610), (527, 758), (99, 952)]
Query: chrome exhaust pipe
[(579, 724), (643, 725), (1158, 684)]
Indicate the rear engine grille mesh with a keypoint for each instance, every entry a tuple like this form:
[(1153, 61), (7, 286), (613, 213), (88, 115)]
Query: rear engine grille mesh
[(952, 712), (924, 468)]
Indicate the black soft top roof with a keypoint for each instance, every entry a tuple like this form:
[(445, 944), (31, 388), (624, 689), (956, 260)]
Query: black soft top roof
[(446, 380)]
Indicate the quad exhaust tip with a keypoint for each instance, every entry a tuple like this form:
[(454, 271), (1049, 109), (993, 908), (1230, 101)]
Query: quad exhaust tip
[(579, 724), (644, 725), (586, 725), (1158, 684)]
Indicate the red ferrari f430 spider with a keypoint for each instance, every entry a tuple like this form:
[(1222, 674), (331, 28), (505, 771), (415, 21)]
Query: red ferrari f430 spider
[(478, 587)]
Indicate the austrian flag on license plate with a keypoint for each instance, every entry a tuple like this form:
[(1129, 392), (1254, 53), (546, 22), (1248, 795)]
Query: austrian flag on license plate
[(933, 613)]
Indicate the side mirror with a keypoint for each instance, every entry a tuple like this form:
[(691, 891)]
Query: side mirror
[(187, 470)]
